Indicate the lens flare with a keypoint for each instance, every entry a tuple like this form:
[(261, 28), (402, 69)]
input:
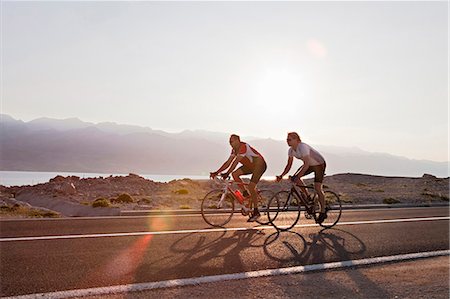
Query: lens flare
[(121, 268), (162, 223), (316, 48)]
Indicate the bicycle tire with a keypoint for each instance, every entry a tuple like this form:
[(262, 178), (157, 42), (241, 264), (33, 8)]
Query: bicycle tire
[(264, 197), (214, 215), (284, 210), (333, 206)]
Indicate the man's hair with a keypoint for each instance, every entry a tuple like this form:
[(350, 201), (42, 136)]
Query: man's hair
[(235, 136), (295, 135)]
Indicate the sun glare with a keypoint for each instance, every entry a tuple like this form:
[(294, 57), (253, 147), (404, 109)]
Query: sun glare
[(279, 91)]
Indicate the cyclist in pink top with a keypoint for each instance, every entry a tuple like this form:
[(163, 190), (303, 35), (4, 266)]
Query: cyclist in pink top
[(313, 161), (252, 163)]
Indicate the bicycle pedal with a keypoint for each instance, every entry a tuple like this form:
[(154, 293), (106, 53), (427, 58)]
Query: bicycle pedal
[(244, 212)]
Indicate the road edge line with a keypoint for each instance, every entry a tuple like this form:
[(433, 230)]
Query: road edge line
[(211, 230), (228, 277)]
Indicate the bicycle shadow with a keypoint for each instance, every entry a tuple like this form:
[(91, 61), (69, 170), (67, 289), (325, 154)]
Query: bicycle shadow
[(331, 245), (196, 255), (227, 252)]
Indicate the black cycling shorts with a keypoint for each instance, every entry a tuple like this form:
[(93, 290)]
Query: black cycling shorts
[(259, 167), (319, 172)]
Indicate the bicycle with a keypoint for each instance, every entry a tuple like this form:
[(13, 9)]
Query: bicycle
[(218, 205), (286, 207)]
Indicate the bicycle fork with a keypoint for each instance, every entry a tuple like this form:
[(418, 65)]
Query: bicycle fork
[(222, 198)]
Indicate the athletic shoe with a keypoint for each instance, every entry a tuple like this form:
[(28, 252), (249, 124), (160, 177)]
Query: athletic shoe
[(254, 217), (321, 218)]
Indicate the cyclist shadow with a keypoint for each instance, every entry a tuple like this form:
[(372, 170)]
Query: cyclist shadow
[(212, 254), (327, 245)]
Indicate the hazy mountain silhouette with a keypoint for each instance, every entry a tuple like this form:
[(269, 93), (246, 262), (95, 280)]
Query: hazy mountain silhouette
[(72, 145)]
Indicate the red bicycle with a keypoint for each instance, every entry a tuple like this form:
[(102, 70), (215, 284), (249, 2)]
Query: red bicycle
[(219, 205)]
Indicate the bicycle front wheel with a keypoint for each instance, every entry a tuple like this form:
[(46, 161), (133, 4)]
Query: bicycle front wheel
[(333, 207), (264, 197), (217, 208), (284, 210)]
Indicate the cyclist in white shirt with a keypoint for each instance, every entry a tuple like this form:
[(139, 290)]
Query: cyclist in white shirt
[(313, 161)]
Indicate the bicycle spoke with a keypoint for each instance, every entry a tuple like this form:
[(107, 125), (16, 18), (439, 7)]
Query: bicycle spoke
[(215, 210), (284, 210), (264, 197), (333, 207)]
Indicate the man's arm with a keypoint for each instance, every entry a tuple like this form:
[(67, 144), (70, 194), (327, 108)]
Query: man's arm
[(286, 169), (233, 166), (224, 166)]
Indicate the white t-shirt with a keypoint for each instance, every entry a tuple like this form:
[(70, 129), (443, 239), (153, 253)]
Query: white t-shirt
[(303, 150)]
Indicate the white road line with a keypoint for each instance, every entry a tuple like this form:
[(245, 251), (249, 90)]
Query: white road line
[(209, 230), (226, 277), (171, 214)]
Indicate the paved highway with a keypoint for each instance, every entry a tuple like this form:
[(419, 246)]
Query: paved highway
[(39, 256)]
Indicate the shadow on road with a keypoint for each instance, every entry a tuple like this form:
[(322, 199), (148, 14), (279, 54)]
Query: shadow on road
[(328, 245), (228, 252)]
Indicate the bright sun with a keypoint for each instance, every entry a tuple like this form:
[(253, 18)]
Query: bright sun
[(279, 91)]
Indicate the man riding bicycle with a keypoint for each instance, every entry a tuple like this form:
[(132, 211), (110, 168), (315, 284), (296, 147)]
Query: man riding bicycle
[(252, 163), (313, 161)]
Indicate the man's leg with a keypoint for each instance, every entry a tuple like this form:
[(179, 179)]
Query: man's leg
[(236, 177), (258, 171), (300, 183), (319, 190), (252, 190), (319, 173)]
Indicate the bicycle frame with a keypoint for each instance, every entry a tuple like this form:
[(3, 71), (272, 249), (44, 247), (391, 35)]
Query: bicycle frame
[(302, 197), (227, 189)]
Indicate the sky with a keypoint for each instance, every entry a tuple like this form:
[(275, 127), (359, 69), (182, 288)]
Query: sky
[(372, 75)]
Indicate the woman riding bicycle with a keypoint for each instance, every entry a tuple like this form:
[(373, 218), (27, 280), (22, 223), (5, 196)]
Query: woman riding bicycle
[(313, 161), (252, 163)]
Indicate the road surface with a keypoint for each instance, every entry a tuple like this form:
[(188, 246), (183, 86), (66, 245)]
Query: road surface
[(41, 256)]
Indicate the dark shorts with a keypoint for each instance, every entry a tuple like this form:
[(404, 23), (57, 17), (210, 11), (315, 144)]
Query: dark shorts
[(259, 167), (319, 172)]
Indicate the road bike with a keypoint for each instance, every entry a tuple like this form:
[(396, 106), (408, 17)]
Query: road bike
[(286, 207), (219, 205)]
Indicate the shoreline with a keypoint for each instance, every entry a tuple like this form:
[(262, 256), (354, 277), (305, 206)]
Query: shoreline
[(75, 196)]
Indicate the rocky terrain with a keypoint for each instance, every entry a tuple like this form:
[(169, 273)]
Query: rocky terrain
[(109, 195)]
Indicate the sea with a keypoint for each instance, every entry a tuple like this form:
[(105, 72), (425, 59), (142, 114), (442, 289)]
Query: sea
[(21, 178)]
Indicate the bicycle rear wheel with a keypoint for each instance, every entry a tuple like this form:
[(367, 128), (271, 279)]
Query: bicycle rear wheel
[(217, 212), (284, 210), (333, 207), (264, 197)]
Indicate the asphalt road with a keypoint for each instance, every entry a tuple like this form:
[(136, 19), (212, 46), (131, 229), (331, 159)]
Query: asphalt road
[(171, 247)]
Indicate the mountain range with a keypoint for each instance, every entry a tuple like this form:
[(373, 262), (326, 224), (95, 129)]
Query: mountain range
[(72, 145)]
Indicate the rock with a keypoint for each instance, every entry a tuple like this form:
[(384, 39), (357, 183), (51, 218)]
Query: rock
[(66, 189), (428, 176), (57, 179), (17, 203)]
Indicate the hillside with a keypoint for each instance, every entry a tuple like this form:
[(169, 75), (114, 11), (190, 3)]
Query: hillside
[(72, 145), (187, 194)]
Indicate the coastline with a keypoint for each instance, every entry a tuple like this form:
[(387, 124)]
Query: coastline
[(75, 196)]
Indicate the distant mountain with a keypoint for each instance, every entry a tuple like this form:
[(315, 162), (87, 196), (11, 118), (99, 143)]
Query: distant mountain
[(45, 123), (72, 145)]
